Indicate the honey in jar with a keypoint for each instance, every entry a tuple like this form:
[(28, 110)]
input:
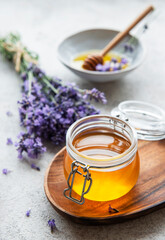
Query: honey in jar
[(105, 148)]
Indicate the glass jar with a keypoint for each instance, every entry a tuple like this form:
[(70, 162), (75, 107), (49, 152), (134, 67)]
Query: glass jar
[(147, 119), (101, 161)]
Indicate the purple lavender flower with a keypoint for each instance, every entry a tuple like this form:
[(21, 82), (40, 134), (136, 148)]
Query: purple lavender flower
[(113, 65), (24, 76), (9, 114), (99, 67), (25, 86), (52, 224), (28, 212), (5, 171), (31, 145), (115, 68), (35, 167), (128, 47), (106, 67), (95, 94), (9, 141), (30, 66), (70, 112), (50, 120), (124, 61), (112, 210), (114, 60), (103, 68)]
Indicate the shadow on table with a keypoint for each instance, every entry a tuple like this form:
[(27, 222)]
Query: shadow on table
[(145, 227)]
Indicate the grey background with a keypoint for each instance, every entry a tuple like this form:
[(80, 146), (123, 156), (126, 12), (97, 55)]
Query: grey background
[(43, 24)]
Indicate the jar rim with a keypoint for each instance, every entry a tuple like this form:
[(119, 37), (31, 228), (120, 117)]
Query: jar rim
[(106, 162), (148, 119)]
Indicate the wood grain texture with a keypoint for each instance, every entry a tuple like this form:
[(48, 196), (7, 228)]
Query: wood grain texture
[(147, 196)]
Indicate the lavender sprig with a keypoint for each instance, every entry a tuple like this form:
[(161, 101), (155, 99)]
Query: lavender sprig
[(48, 107), (28, 212), (29, 144), (35, 167), (52, 225), (9, 141), (95, 94), (5, 171), (112, 210)]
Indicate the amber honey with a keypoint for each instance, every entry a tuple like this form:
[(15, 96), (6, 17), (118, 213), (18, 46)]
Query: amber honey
[(101, 146)]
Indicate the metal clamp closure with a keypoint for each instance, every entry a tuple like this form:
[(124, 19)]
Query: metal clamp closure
[(87, 177)]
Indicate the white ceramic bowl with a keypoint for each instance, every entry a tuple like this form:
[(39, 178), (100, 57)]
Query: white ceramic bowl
[(86, 40)]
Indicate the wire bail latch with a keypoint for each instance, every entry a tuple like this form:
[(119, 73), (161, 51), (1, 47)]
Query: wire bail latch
[(87, 177)]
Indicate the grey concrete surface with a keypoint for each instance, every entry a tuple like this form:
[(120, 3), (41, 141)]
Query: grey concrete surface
[(42, 25)]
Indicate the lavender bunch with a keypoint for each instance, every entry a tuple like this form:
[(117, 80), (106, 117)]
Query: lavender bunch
[(48, 107)]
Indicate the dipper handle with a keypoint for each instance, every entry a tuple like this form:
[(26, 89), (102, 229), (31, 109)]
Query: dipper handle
[(121, 35)]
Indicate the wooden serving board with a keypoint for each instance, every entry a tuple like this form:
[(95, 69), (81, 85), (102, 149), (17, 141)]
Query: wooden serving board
[(147, 196)]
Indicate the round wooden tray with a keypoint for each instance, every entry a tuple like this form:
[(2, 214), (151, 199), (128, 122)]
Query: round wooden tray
[(147, 196)]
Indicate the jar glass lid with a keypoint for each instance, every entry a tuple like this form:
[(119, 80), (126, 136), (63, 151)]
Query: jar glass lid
[(146, 118)]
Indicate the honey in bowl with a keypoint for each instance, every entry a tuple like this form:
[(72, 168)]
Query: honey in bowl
[(111, 62), (99, 146)]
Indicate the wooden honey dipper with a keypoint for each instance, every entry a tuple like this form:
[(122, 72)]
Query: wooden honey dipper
[(92, 60)]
